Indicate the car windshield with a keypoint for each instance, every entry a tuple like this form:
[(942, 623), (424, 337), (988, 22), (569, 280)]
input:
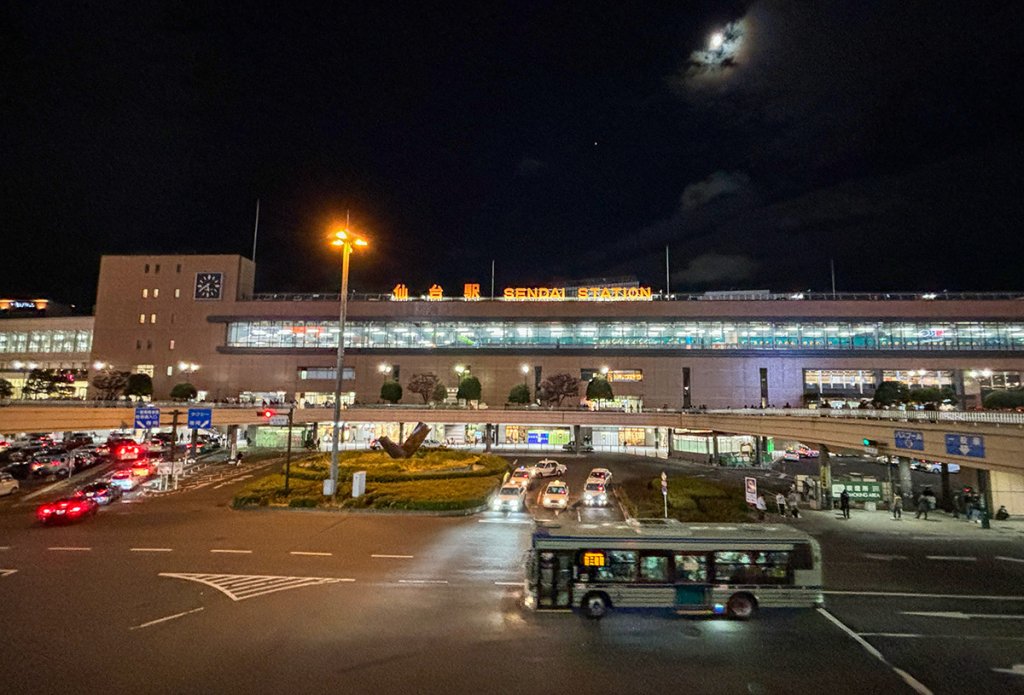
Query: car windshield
[(598, 474), (510, 490), (522, 473), (556, 489), (595, 487)]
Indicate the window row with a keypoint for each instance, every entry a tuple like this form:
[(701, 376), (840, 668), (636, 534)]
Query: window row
[(676, 335), (50, 340), (723, 566)]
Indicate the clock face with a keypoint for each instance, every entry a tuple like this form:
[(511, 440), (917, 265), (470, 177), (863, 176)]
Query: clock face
[(209, 285)]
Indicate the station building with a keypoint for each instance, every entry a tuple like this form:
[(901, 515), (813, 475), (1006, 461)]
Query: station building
[(197, 318)]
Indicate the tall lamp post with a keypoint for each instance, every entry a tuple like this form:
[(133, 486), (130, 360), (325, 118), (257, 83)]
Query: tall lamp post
[(346, 241)]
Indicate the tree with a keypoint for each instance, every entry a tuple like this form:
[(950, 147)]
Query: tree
[(110, 383), (598, 389), (6, 389), (391, 391), (440, 394), (557, 387), (520, 393), (57, 383), (183, 392), (139, 385), (891, 392), (997, 400), (469, 389), (424, 385)]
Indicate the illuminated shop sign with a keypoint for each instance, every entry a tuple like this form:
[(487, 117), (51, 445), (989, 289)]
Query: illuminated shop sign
[(471, 291), (33, 304), (626, 375)]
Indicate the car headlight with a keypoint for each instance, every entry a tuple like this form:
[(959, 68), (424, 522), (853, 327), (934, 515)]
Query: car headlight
[(495, 503)]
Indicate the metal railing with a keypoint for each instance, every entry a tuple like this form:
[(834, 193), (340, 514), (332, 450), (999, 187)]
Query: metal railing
[(993, 417)]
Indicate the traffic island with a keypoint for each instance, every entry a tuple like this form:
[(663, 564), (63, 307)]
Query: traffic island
[(433, 481), (689, 500)]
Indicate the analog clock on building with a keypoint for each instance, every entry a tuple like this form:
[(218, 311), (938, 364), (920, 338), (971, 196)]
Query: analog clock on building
[(209, 285)]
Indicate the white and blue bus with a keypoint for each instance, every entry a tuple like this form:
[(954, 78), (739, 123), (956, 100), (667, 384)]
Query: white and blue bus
[(664, 564)]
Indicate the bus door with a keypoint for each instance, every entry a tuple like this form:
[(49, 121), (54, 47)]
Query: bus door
[(692, 585), (554, 578)]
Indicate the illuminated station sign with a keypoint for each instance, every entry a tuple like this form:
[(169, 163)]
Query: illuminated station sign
[(471, 291)]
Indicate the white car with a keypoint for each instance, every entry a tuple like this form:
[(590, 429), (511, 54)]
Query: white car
[(556, 495), (595, 494), (8, 485), (602, 475), (124, 479), (547, 468), (521, 477), (509, 497)]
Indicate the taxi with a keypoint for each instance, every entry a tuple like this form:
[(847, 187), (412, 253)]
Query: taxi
[(556, 495)]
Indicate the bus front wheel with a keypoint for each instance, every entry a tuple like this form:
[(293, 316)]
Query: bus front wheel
[(741, 606), (596, 606)]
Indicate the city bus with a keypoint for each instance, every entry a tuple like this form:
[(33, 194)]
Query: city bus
[(692, 569)]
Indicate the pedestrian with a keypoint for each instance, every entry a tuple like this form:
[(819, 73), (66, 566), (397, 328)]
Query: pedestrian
[(1002, 514), (922, 506), (897, 507), (844, 503), (956, 505), (762, 507), (794, 503), (238, 460), (780, 501)]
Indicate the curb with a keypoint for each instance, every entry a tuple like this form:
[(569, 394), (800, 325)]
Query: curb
[(364, 512)]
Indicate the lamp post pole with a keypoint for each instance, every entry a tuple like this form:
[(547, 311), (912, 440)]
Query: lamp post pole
[(346, 249)]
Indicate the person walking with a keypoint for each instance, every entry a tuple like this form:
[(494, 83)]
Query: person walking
[(780, 502), (897, 507), (922, 507), (956, 505), (844, 503), (762, 507), (794, 503)]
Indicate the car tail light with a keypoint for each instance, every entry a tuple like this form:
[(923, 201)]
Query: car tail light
[(76, 508)]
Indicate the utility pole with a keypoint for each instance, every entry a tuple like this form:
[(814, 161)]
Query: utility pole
[(667, 289), (288, 451)]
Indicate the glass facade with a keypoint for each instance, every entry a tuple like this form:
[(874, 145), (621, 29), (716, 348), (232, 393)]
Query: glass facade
[(645, 334), (43, 341)]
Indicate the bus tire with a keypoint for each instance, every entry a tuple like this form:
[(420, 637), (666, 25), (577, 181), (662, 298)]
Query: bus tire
[(595, 605), (741, 607)]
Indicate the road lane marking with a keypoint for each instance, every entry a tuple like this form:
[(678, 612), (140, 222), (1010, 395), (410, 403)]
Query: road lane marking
[(874, 556), (508, 583), (903, 635), (239, 587), (230, 551), (7, 573), (952, 558), (309, 553), (422, 581), (998, 557), (957, 615), (393, 557), (150, 550), (915, 684), (5, 547), (1017, 670), (165, 619), (69, 548), (907, 594), (504, 521)]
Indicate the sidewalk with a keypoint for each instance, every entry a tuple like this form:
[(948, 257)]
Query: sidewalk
[(939, 524)]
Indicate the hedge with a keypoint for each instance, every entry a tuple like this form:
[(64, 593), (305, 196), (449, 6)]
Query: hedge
[(689, 500)]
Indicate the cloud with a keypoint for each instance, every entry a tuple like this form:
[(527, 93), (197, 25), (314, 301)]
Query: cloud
[(710, 268), (717, 184), (528, 166)]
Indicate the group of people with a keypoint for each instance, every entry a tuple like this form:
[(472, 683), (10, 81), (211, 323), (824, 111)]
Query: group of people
[(787, 506)]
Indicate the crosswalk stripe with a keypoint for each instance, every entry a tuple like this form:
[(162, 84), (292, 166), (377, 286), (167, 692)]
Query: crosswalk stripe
[(239, 587)]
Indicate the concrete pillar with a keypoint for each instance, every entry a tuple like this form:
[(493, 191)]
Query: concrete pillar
[(668, 442), (824, 477), (401, 433), (757, 451), (233, 441), (488, 436), (947, 497), (714, 448), (576, 433), (906, 482)]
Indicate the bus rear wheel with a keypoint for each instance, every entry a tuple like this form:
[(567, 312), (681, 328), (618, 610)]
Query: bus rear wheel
[(741, 606), (596, 606)]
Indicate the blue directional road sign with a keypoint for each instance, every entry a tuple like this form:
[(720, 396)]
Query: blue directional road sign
[(147, 418), (965, 445), (909, 439), (200, 418)]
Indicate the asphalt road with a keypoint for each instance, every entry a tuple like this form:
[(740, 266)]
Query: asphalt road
[(181, 594)]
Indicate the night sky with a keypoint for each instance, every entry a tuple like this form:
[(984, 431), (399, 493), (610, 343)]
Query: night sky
[(564, 140)]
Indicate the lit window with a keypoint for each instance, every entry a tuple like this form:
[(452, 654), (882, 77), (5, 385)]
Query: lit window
[(171, 346), (177, 293), (152, 318), (170, 371), (156, 293), (144, 369), (142, 318), (145, 293)]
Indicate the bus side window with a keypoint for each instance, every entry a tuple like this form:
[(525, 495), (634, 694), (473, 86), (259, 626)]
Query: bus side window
[(654, 567), (691, 568), (801, 557)]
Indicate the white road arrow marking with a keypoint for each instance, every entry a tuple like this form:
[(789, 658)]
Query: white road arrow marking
[(874, 556), (957, 615), (7, 573), (239, 587), (1017, 670)]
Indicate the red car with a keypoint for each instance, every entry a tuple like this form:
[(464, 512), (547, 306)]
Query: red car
[(66, 509)]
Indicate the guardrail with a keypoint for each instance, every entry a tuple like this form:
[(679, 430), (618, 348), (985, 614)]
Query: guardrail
[(896, 415)]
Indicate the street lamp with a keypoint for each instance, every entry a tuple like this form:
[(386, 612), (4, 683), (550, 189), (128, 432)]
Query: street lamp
[(384, 369), (345, 240), (189, 368), (604, 371), (525, 369)]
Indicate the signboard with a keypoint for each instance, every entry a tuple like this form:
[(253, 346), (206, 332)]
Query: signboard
[(858, 490), (593, 559), (279, 420), (170, 467), (750, 485), (909, 439), (536, 437), (200, 418), (972, 445), (871, 450), (147, 417)]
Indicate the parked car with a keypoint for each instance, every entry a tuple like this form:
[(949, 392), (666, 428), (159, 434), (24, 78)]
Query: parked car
[(101, 492), (556, 495), (584, 448), (509, 497), (547, 468), (8, 484), (66, 509)]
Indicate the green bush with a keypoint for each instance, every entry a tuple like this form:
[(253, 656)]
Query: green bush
[(689, 500), (304, 502)]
